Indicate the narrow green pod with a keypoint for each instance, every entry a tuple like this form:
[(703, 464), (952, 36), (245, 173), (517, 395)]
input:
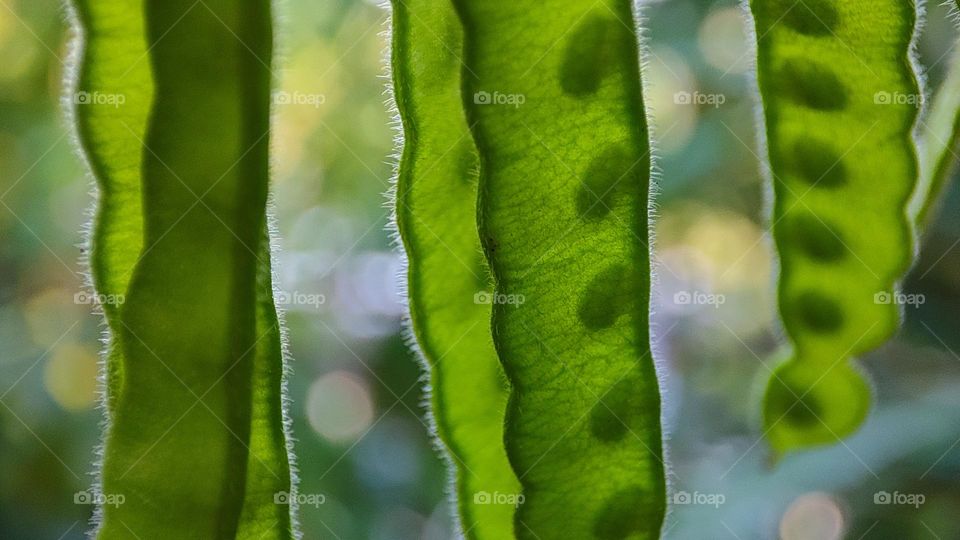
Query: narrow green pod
[(270, 496), (553, 95), (448, 281), (840, 99), (196, 445), (110, 103)]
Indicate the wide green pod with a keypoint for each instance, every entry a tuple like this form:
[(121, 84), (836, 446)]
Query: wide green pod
[(553, 96), (172, 107)]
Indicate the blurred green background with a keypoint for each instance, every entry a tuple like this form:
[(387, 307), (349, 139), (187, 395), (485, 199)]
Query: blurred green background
[(357, 392)]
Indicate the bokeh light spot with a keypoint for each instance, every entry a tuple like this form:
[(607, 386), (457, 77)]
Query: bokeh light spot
[(723, 42), (812, 516), (70, 377), (339, 406)]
